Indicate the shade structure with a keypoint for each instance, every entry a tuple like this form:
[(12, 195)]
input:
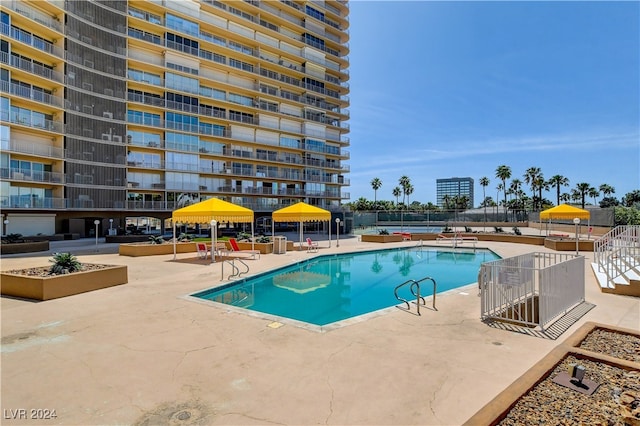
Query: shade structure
[(208, 210), (301, 212), (564, 211), (213, 208)]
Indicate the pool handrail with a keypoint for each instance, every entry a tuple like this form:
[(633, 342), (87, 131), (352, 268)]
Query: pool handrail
[(415, 290)]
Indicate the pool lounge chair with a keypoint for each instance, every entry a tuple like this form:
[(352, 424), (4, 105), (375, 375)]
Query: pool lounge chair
[(312, 245), (235, 249), (203, 250)]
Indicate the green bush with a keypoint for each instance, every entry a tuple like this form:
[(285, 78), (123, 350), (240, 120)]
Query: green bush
[(64, 263), (185, 238), (498, 229), (13, 238), (516, 230), (243, 236), (156, 239), (383, 232), (263, 239)]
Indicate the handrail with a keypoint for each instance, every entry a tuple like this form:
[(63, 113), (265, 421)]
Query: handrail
[(620, 242), (415, 290), (236, 270)]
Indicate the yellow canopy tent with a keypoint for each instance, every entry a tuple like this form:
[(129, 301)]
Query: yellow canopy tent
[(301, 212), (208, 210), (564, 211)]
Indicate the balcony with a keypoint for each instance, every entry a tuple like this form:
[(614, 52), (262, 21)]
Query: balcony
[(30, 93), (24, 9), (28, 39), (26, 202), (24, 175), (38, 150), (34, 122), (32, 67)]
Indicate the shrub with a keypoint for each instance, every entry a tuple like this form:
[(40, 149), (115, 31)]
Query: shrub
[(383, 232), (447, 228), (185, 237), (498, 229), (12, 238), (243, 236), (467, 229), (64, 263), (516, 230), (263, 239), (156, 239)]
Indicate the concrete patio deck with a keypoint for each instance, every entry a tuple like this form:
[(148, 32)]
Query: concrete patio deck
[(142, 354)]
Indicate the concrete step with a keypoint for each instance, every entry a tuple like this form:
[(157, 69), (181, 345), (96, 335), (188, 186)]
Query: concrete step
[(601, 277)]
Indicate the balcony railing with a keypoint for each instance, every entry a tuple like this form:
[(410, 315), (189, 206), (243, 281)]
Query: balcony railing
[(39, 150), (28, 38), (30, 93), (35, 122), (21, 202), (24, 9), (30, 66), (31, 175)]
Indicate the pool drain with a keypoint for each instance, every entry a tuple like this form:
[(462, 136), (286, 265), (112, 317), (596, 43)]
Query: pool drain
[(183, 415)]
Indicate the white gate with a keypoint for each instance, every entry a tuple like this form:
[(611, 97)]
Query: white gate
[(531, 289)]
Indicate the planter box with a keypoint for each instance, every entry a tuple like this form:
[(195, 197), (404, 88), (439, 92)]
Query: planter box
[(568, 244), (146, 249), (53, 287), (382, 238), (30, 247), (264, 248)]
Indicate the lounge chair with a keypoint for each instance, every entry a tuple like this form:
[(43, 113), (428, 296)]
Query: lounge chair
[(312, 245), (235, 249), (203, 250)]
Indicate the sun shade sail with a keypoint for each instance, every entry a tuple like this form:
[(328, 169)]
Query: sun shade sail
[(301, 212), (564, 211), (213, 208)]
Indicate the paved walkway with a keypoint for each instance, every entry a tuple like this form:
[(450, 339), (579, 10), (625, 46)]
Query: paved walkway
[(143, 354)]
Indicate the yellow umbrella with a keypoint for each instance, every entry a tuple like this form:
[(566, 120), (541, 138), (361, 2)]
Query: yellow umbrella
[(302, 212), (208, 210)]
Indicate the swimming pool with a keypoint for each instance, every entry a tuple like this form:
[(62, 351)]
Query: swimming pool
[(332, 288)]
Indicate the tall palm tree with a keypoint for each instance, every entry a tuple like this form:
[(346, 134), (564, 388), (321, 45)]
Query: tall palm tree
[(531, 178), (582, 188), (499, 188), (404, 181), (396, 193), (484, 182), (503, 173), (594, 193), (446, 199), (516, 189), (541, 184), (565, 197), (558, 181), (376, 183), (408, 190)]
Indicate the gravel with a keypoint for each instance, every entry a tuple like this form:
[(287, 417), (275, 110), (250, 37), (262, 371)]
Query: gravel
[(44, 271), (615, 402)]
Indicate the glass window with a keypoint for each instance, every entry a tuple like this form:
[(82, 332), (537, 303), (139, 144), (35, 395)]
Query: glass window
[(183, 25)]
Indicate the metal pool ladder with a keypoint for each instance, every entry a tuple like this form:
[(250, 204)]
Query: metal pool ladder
[(415, 290), (236, 271)]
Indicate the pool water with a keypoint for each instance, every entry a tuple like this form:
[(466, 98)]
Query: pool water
[(332, 288)]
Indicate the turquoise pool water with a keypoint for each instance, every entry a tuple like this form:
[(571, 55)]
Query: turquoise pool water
[(332, 288)]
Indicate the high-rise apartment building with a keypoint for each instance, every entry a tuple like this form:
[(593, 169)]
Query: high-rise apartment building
[(116, 108), (450, 189)]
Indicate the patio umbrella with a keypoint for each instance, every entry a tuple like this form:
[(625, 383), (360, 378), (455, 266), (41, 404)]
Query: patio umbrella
[(208, 210), (301, 212)]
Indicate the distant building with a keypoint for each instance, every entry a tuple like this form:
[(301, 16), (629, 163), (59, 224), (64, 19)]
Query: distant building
[(454, 187)]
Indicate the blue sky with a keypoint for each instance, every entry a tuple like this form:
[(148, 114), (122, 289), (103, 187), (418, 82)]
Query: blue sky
[(444, 89)]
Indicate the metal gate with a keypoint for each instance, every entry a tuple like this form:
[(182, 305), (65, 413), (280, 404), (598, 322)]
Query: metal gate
[(531, 289)]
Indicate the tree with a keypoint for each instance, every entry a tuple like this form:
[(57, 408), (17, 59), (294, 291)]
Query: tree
[(484, 182), (499, 188), (631, 198), (558, 181), (396, 193), (582, 188), (540, 185), (503, 173), (408, 190), (375, 184), (594, 193), (531, 178), (607, 189), (404, 182), (609, 202)]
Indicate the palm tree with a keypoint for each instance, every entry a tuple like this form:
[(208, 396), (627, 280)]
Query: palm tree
[(404, 181), (408, 190), (531, 178), (503, 173), (593, 192), (607, 189), (375, 184), (565, 197), (484, 182), (541, 184), (558, 181), (396, 193), (582, 188), (500, 187), (446, 198)]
